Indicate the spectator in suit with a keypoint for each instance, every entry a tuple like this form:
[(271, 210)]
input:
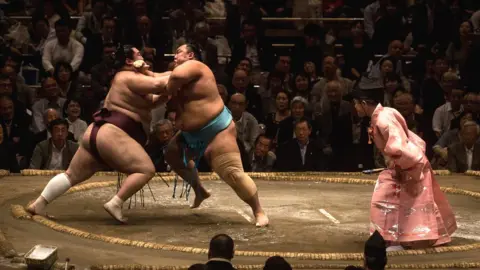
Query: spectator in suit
[(7, 88), (301, 153), (330, 73), (183, 20), (102, 73), (145, 37), (245, 123), (404, 103), (7, 155), (465, 155), (241, 84), (57, 152), (440, 149), (334, 118), (207, 45), (261, 157), (63, 48), (286, 128), (95, 46), (220, 253), (236, 14), (310, 48), (277, 263), (49, 115), (51, 99), (162, 133), (16, 130), (23, 92), (251, 46)]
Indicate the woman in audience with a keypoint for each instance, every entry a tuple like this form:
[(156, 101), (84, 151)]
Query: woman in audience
[(310, 69), (274, 85), (72, 111), (458, 51), (302, 85), (63, 74), (392, 83), (282, 100)]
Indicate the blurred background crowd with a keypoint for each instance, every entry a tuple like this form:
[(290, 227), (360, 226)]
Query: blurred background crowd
[(285, 69)]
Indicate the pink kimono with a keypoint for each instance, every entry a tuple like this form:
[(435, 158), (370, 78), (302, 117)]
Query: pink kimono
[(412, 208)]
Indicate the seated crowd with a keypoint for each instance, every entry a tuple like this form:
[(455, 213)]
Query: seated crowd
[(292, 107)]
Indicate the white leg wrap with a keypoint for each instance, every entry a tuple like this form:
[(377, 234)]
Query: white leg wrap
[(57, 186)]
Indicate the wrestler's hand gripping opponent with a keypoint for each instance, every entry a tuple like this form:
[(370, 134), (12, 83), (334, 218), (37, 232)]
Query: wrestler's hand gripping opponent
[(206, 128)]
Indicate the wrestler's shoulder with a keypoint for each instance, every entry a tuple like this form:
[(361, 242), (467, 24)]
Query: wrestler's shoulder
[(195, 63)]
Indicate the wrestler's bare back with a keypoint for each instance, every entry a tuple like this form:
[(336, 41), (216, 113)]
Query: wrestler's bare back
[(199, 102)]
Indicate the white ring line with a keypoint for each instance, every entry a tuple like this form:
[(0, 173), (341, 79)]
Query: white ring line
[(467, 236), (244, 215), (329, 216)]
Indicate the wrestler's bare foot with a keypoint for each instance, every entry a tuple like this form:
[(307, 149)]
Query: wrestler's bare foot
[(38, 209), (115, 211), (262, 219), (199, 198)]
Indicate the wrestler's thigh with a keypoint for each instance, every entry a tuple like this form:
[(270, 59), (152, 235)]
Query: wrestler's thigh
[(83, 164), (121, 152), (224, 142), (174, 153)]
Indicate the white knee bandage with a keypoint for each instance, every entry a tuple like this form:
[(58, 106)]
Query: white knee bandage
[(229, 168), (57, 186)]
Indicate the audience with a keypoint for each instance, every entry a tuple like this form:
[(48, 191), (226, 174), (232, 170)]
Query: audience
[(419, 58), (57, 152), (295, 84), (465, 154)]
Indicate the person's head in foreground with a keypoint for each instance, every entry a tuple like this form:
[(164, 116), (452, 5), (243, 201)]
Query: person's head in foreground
[(187, 52), (375, 252), (277, 263), (221, 247)]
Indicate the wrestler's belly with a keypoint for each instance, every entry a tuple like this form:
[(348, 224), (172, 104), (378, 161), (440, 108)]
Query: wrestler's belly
[(142, 116), (193, 116)]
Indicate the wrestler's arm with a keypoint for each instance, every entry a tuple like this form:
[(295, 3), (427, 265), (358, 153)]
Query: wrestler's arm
[(159, 99), (142, 84), (155, 74), (182, 75)]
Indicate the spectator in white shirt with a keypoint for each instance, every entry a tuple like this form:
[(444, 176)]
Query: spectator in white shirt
[(51, 99), (62, 49), (76, 125), (449, 111)]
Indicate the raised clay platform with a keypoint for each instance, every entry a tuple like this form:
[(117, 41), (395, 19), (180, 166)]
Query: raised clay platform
[(317, 221)]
